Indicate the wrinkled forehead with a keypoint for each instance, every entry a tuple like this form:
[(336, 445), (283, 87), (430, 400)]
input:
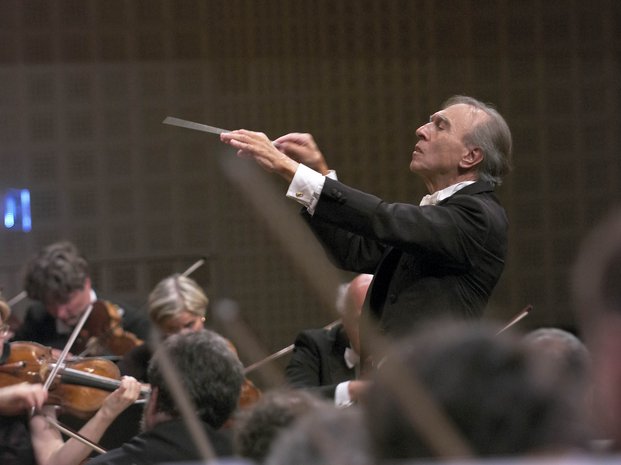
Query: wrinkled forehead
[(461, 116)]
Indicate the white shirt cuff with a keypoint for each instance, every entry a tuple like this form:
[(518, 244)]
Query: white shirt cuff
[(306, 186), (341, 395)]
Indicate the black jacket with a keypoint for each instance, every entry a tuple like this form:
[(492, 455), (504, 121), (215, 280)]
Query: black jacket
[(166, 442), (318, 362), (427, 261)]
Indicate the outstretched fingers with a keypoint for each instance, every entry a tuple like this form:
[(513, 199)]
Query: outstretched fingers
[(258, 146)]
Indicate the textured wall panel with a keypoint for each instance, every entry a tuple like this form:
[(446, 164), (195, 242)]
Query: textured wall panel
[(84, 86)]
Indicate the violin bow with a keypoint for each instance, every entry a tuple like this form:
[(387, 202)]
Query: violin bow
[(194, 266), (191, 269), (17, 299), (68, 345), (286, 350), (281, 353), (522, 314), (77, 436), (50, 379)]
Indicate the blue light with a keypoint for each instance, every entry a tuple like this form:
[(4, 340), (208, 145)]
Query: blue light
[(26, 218), (9, 213), (16, 210)]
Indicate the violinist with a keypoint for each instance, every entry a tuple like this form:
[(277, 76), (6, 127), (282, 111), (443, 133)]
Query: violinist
[(49, 447), (17, 398), (176, 304), (58, 280), (34, 441), (15, 444), (212, 376)]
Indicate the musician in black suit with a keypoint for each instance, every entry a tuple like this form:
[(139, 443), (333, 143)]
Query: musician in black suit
[(212, 376), (327, 360), (58, 281), (442, 257)]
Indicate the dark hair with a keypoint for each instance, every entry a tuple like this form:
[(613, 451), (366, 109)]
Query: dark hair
[(55, 272), (492, 136), (488, 388), (257, 428), (326, 435), (210, 372)]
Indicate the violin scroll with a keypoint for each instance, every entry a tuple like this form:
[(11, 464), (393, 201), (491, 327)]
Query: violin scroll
[(103, 332)]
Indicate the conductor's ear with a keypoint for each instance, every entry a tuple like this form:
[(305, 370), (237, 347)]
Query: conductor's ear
[(471, 159)]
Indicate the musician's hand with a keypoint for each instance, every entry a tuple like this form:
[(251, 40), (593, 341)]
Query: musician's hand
[(126, 394), (19, 398), (257, 146), (303, 149), (357, 389)]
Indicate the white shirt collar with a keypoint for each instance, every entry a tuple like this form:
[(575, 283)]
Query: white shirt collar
[(439, 196), (351, 358)]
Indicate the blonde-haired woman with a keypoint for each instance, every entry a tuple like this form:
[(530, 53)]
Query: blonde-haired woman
[(177, 303)]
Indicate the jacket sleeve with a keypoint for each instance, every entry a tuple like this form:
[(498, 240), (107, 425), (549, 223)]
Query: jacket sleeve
[(362, 221)]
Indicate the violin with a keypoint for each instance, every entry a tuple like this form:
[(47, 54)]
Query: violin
[(80, 386), (249, 394), (103, 332)]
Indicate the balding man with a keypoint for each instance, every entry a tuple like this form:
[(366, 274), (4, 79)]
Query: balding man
[(327, 360)]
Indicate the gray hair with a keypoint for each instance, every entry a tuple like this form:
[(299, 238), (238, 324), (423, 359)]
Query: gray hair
[(325, 435), (492, 136), (210, 372), (176, 294), (257, 428)]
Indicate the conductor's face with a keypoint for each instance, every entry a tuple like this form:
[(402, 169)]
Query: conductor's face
[(440, 150)]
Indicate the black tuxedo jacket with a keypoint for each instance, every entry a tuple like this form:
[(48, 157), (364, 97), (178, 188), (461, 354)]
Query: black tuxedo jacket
[(430, 261), (166, 442), (318, 362)]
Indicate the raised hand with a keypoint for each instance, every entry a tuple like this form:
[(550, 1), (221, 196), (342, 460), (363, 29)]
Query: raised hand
[(257, 146), (302, 148)]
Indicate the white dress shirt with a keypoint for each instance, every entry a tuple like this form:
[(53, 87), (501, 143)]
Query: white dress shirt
[(341, 394), (307, 184), (439, 196)]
